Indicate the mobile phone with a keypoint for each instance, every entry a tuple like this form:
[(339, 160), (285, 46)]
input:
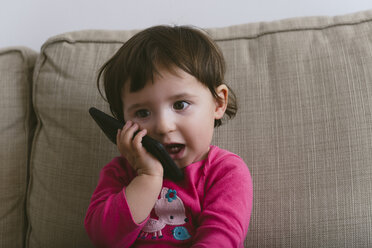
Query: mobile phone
[(110, 126)]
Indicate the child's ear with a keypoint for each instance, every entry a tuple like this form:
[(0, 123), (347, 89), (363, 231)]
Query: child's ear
[(221, 103)]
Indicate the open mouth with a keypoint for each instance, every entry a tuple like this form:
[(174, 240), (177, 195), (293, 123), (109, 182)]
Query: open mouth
[(174, 149)]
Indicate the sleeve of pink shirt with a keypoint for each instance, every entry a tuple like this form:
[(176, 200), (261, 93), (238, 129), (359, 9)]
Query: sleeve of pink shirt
[(227, 204), (108, 221)]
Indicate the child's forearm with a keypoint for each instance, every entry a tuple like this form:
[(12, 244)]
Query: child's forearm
[(141, 195)]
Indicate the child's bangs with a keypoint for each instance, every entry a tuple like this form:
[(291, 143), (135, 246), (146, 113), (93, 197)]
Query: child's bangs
[(146, 67)]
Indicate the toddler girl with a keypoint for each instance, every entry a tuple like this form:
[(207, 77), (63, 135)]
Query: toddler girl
[(168, 83)]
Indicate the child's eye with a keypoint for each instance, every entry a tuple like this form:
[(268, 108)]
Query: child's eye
[(142, 113), (180, 105)]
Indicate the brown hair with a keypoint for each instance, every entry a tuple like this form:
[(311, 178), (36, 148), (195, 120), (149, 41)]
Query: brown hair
[(141, 56)]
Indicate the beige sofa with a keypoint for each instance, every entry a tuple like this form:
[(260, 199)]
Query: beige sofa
[(304, 129)]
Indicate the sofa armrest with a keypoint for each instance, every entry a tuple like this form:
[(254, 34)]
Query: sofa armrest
[(16, 128)]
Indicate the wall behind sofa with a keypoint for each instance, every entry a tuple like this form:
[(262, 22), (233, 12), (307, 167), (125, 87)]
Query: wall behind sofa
[(31, 22)]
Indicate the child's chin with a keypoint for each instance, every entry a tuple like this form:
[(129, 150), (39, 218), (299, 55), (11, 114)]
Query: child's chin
[(181, 163)]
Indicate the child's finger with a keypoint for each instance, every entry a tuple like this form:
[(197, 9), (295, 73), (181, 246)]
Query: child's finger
[(128, 132), (127, 125), (137, 140)]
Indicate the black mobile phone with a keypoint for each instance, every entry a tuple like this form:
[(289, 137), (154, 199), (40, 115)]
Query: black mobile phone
[(110, 126)]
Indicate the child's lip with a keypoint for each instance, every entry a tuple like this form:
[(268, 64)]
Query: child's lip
[(165, 144), (174, 149), (171, 145)]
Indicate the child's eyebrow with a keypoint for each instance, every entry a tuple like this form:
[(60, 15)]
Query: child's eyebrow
[(183, 95), (135, 106)]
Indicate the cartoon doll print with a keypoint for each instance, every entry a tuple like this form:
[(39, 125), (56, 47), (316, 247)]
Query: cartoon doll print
[(170, 210)]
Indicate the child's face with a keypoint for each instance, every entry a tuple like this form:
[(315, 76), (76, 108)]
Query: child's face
[(178, 111)]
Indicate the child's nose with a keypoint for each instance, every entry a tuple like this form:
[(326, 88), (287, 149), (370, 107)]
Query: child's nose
[(165, 124)]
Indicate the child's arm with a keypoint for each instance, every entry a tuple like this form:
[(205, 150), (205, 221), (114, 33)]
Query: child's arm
[(142, 194), (143, 190), (108, 221), (226, 206), (124, 198)]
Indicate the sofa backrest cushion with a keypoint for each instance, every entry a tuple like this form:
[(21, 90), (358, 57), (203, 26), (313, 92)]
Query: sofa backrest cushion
[(304, 129), (16, 124)]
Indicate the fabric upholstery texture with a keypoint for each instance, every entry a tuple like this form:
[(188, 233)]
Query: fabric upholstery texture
[(16, 65), (304, 128)]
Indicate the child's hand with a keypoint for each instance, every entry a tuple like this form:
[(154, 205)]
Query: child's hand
[(132, 149)]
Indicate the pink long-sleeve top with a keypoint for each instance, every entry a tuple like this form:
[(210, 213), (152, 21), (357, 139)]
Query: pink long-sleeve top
[(211, 207)]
